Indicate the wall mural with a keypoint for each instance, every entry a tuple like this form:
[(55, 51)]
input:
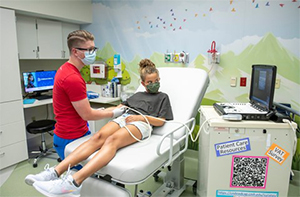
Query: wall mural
[(246, 32)]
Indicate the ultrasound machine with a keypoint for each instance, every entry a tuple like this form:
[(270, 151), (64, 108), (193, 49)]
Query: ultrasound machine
[(251, 156), (260, 106), (38, 82)]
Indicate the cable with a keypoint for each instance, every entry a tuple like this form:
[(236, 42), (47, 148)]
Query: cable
[(294, 130), (171, 121), (150, 128)]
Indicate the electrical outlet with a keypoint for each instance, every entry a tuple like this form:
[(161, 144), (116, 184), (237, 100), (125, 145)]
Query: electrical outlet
[(277, 83)]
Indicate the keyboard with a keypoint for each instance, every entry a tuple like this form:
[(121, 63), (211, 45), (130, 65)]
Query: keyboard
[(43, 97)]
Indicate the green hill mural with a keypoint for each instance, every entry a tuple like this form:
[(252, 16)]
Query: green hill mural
[(270, 51), (267, 51)]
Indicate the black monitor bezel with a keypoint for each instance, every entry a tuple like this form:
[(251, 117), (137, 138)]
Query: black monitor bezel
[(273, 82)]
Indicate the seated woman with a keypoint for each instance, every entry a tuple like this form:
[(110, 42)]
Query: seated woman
[(110, 137)]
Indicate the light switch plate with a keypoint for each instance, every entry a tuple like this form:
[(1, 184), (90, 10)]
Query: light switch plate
[(233, 81)]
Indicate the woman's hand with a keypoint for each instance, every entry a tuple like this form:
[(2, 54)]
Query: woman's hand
[(133, 118)]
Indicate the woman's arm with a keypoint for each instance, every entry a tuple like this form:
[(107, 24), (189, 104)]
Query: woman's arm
[(153, 121)]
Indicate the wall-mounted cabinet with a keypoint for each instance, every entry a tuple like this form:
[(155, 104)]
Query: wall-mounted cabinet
[(42, 39), (13, 144), (66, 29)]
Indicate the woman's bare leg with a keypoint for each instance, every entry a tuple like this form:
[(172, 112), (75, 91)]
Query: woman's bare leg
[(87, 148), (119, 139)]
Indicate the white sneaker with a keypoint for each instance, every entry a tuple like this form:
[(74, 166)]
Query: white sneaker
[(47, 175), (60, 187)]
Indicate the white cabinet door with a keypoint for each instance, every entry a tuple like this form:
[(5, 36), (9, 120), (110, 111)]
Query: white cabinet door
[(10, 84), (27, 37), (49, 39), (66, 29)]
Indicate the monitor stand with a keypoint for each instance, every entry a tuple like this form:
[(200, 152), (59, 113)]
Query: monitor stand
[(40, 96)]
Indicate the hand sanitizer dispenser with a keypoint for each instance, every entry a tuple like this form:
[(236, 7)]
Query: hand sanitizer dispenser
[(117, 65)]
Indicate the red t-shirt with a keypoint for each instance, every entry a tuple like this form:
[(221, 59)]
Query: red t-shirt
[(69, 86)]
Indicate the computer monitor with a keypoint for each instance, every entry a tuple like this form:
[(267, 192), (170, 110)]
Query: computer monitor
[(262, 86), (38, 81)]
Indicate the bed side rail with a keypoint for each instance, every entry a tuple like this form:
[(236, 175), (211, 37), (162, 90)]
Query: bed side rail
[(170, 134)]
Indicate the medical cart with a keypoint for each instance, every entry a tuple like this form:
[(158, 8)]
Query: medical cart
[(243, 158)]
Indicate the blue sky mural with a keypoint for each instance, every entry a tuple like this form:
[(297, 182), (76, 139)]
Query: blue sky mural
[(246, 32), (147, 26)]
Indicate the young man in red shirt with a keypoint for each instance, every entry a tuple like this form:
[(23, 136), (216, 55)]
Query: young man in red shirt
[(71, 106)]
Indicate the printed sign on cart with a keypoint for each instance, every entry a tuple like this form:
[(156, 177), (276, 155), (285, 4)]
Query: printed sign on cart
[(232, 147), (234, 193), (277, 153), (249, 171)]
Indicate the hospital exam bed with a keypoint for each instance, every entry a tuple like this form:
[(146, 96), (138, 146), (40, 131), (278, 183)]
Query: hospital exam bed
[(134, 164)]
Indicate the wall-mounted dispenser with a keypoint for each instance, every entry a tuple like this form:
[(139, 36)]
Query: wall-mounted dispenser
[(212, 54), (117, 65), (98, 70), (182, 57)]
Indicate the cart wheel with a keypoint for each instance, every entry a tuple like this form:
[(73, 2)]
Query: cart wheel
[(195, 188), (35, 165), (195, 191)]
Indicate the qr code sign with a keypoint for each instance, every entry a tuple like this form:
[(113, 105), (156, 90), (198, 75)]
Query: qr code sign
[(249, 171)]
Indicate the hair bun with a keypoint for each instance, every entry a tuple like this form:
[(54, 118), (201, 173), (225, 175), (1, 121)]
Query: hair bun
[(146, 63)]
